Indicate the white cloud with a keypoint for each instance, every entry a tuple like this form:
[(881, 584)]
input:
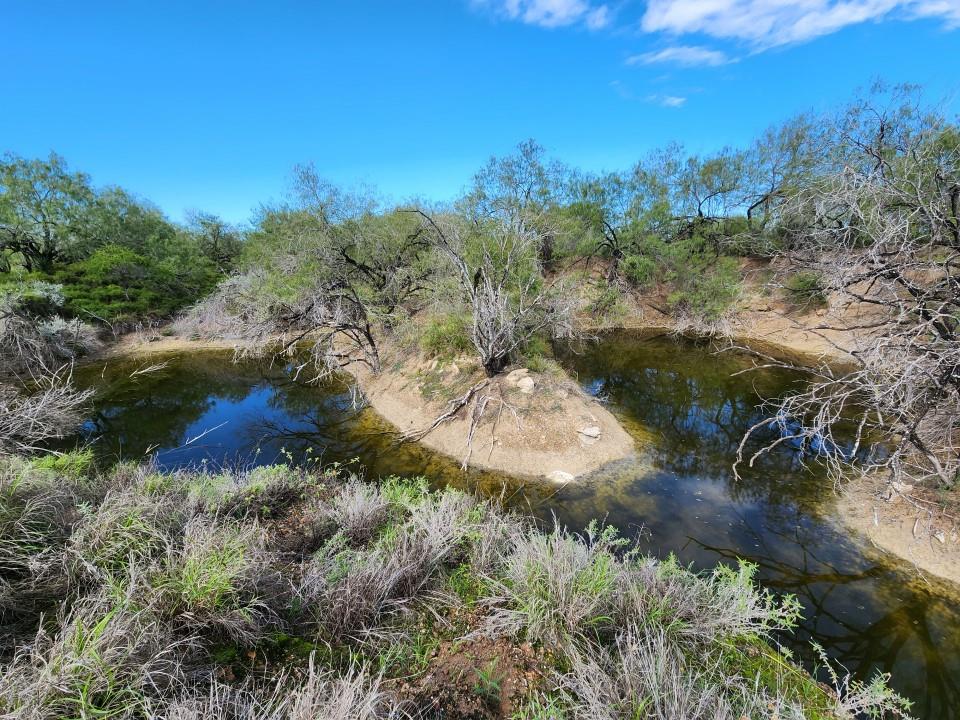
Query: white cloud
[(767, 23), (550, 13), (685, 55), (670, 101)]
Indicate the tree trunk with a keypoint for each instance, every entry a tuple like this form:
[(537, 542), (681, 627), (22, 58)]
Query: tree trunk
[(495, 365)]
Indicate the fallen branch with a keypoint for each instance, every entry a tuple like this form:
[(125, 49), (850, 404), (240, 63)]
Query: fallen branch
[(453, 407)]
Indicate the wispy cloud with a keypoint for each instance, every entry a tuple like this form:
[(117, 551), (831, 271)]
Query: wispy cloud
[(684, 55), (768, 23), (550, 13), (670, 101)]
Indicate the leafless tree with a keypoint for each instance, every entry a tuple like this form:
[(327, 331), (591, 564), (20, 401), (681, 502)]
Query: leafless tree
[(49, 408), (884, 236), (498, 271)]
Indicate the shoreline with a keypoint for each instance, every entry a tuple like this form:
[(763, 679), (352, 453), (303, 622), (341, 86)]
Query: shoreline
[(908, 526), (557, 409), (535, 434)]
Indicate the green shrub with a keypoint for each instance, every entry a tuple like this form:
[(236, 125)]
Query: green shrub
[(705, 289), (607, 307), (639, 270), (117, 284), (536, 354), (807, 288), (446, 336)]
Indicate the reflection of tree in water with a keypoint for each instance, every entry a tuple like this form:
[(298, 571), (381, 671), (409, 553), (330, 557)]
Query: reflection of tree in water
[(135, 413), (862, 611), (699, 409), (869, 616)]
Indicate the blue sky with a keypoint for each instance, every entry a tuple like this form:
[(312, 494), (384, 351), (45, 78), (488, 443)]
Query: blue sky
[(209, 104)]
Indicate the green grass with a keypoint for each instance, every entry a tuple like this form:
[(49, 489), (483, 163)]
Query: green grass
[(447, 336)]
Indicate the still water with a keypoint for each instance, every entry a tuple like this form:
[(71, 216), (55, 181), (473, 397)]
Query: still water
[(688, 410)]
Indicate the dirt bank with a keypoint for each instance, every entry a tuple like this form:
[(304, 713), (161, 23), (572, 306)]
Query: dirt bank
[(911, 524), (535, 424)]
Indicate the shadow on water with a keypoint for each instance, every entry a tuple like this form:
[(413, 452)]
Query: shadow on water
[(686, 404)]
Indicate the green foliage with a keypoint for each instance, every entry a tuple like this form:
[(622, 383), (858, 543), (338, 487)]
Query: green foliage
[(705, 287), (75, 464), (536, 353), (117, 259), (639, 270), (607, 307), (116, 284), (208, 574), (446, 336), (806, 288)]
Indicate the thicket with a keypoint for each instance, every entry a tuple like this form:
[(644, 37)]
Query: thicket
[(281, 593), (115, 259)]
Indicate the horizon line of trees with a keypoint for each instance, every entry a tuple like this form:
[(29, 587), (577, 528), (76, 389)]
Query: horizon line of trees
[(863, 205)]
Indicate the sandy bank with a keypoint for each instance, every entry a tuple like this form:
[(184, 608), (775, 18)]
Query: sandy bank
[(533, 424), (909, 525)]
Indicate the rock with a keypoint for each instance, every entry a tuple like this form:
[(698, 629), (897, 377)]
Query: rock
[(526, 385), (821, 312), (591, 431), (559, 476), (514, 376), (764, 308), (895, 490), (940, 536)]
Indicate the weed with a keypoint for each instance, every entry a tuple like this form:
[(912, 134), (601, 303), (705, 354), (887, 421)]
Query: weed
[(806, 288), (447, 336)]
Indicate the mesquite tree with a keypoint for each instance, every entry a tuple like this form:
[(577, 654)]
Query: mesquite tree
[(883, 234), (498, 272), (328, 272)]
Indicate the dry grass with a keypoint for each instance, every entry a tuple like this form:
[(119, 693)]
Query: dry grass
[(151, 577)]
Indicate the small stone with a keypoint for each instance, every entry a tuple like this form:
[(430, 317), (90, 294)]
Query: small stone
[(896, 491), (821, 312), (559, 476), (764, 308), (939, 535), (591, 431), (526, 385), (513, 377)]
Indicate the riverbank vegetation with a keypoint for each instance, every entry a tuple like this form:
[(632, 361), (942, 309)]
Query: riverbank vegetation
[(286, 593)]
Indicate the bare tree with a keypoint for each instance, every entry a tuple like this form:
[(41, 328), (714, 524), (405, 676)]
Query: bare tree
[(49, 408), (331, 274), (498, 271), (884, 236)]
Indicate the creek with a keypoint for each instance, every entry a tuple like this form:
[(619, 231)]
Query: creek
[(688, 408)]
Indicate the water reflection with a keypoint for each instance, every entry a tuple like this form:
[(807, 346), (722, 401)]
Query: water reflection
[(686, 403)]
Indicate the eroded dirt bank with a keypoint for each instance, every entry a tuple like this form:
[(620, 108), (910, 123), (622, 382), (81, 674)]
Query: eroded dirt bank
[(538, 433), (532, 424)]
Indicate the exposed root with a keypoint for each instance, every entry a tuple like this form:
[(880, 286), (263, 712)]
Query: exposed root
[(453, 407)]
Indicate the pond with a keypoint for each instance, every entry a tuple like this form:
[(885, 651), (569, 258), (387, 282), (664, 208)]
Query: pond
[(683, 401)]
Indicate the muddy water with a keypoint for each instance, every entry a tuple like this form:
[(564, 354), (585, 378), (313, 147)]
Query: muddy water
[(687, 406)]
